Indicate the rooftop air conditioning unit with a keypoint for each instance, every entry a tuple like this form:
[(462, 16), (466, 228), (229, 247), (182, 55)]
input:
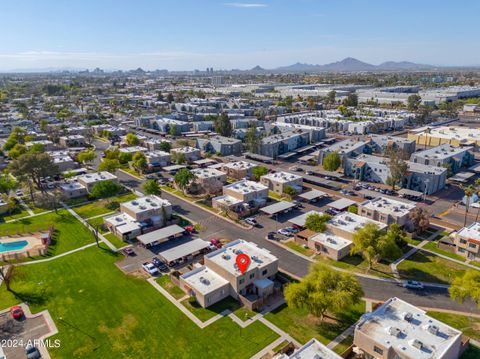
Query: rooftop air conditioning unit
[(417, 344), (433, 329), (394, 331)]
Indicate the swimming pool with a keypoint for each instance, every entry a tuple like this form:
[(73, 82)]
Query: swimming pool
[(12, 246)]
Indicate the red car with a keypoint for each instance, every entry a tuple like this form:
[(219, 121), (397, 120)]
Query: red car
[(17, 312), (189, 229), (216, 243)]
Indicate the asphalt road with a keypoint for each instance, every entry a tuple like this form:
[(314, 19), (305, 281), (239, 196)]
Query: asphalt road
[(376, 289)]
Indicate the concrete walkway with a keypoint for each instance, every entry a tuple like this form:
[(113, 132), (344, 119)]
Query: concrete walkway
[(58, 255), (24, 205), (29, 216), (341, 337)]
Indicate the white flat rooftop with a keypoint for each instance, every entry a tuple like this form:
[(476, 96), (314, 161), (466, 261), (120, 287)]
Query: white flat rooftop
[(146, 203), (389, 206), (96, 177), (246, 186), (239, 165), (314, 350), (204, 280), (227, 200), (282, 177), (471, 232), (408, 329), (225, 257), (186, 149), (331, 241), (207, 172), (123, 223), (350, 222), (133, 149)]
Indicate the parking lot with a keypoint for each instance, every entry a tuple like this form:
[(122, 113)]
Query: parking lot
[(18, 331)]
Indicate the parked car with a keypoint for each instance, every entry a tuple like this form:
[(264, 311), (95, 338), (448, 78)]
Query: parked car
[(17, 312), (293, 230), (19, 193), (129, 251), (332, 211), (150, 177), (32, 352), (297, 204), (271, 235), (216, 243), (159, 264), (251, 221), (310, 173), (413, 284), (189, 229), (150, 268), (285, 231)]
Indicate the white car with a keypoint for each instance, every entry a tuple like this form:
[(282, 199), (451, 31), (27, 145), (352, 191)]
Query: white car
[(150, 268), (413, 284), (251, 220), (285, 232)]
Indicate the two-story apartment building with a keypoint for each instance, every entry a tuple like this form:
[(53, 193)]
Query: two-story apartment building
[(278, 181), (220, 277), (238, 169), (90, 179), (224, 146), (191, 153), (241, 193), (210, 179), (387, 211), (445, 155), (397, 329), (345, 149), (72, 141), (467, 241)]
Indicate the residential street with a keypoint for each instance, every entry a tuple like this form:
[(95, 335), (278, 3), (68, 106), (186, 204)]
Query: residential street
[(376, 289)]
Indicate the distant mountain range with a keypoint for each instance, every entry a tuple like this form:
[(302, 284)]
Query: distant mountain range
[(350, 64)]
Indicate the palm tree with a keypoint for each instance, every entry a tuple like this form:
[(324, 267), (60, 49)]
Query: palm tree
[(469, 192)]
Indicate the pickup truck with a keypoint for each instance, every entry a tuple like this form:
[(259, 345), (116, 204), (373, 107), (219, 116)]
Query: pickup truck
[(150, 268)]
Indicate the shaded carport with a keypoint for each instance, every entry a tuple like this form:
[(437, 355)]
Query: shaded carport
[(186, 250), (342, 204), (276, 208), (299, 221), (160, 235), (312, 195)]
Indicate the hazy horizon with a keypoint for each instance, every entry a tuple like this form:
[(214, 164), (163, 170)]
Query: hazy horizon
[(187, 35)]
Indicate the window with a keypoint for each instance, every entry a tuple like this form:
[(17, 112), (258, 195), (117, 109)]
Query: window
[(241, 281), (472, 245), (252, 275), (377, 350), (264, 272), (463, 241), (461, 250)]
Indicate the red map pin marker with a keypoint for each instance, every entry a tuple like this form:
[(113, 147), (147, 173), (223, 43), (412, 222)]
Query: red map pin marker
[(243, 261)]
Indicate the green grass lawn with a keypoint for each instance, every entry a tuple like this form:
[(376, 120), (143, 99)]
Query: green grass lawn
[(19, 212), (205, 314), (470, 326), (432, 246), (300, 249), (101, 206), (117, 242), (171, 288), (244, 313), (97, 223), (414, 241), (357, 264), (69, 232), (102, 313), (280, 346), (427, 267), (303, 326)]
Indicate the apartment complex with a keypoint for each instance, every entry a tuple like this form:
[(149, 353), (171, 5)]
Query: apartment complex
[(455, 136), (157, 158), (381, 143), (398, 329), (345, 149), (191, 153), (276, 145), (241, 193), (90, 179), (224, 146), (445, 155), (345, 224), (72, 141), (238, 169), (220, 277), (210, 179), (387, 211), (424, 178), (467, 241), (278, 181), (313, 349)]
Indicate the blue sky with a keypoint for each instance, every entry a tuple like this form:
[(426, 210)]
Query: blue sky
[(188, 34)]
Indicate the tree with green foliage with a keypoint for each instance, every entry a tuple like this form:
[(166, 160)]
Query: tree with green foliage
[(125, 157), (132, 140), (413, 102), (165, 146), (259, 171), (7, 184), (170, 98), (467, 286), (109, 165), (152, 186), (332, 161), (180, 158), (140, 161), (324, 290), (104, 189), (289, 191), (222, 125), (35, 166), (468, 191), (86, 156), (183, 178), (373, 244), (397, 234), (352, 209), (37, 147), (317, 222), (17, 151), (252, 140), (172, 130), (16, 136), (331, 96), (351, 100), (112, 153)]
